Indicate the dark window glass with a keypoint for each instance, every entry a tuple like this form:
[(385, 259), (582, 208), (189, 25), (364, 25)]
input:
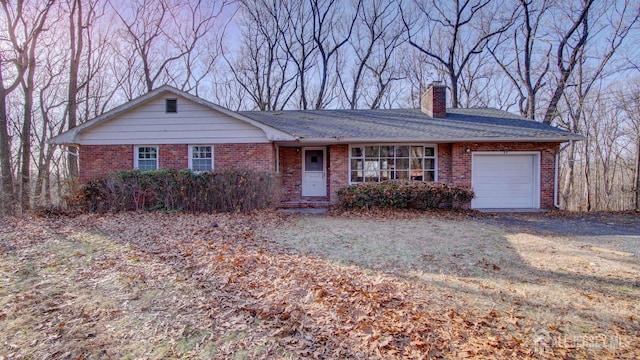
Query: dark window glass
[(171, 105)]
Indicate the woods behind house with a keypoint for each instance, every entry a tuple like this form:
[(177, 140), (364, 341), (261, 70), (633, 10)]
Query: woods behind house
[(573, 64)]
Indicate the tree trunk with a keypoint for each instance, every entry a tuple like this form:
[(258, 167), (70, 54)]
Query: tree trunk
[(8, 198), (637, 182)]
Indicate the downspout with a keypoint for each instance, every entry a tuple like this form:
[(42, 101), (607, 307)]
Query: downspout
[(277, 162), (556, 172)]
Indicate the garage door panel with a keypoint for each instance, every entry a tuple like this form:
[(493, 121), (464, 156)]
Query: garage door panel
[(503, 181)]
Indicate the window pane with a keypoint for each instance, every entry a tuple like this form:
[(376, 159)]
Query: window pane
[(356, 176), (372, 151), (416, 164), (371, 177), (430, 176), (356, 164), (429, 152), (356, 152), (201, 152), (384, 164), (201, 165), (147, 153), (402, 175), (402, 164), (386, 175), (402, 151), (386, 151), (416, 151), (429, 164), (147, 165)]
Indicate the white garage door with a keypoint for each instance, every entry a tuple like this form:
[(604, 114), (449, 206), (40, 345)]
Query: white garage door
[(504, 181)]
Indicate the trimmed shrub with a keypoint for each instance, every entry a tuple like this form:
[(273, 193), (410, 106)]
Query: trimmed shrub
[(178, 190), (405, 195)]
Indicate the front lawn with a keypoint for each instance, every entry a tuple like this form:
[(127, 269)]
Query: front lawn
[(267, 285)]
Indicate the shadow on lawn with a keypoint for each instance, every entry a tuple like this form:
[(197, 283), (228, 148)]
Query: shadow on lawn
[(537, 261)]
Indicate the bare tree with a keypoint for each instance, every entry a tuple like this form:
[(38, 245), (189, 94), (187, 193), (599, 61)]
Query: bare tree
[(262, 66), (6, 170), (451, 34), (630, 103), (376, 37), (523, 56), (160, 33), (332, 28), (296, 31), (24, 32), (569, 47)]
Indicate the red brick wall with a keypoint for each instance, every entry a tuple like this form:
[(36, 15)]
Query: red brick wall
[(173, 156), (338, 170), (99, 160), (461, 164), (259, 157), (444, 163), (291, 173)]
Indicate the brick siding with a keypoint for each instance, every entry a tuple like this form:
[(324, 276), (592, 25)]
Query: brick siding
[(100, 160), (258, 157), (338, 170), (454, 163)]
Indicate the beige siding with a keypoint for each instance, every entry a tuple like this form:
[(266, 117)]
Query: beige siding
[(192, 124)]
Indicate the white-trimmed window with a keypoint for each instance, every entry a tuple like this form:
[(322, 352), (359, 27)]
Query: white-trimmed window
[(146, 157), (373, 163), (201, 157)]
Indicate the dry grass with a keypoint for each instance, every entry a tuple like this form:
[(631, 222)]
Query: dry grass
[(265, 285), (581, 293)]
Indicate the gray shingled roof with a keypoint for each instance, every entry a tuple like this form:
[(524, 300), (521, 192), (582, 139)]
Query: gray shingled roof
[(408, 125)]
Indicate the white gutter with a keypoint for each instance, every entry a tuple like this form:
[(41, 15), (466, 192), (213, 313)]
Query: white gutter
[(347, 140)]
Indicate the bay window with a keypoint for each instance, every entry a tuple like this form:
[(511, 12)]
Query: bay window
[(373, 163)]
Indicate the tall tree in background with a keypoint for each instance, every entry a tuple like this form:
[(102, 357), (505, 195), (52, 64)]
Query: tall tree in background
[(451, 33), (7, 199), (262, 66), (524, 56), (571, 43), (376, 38), (158, 35), (24, 33), (332, 28)]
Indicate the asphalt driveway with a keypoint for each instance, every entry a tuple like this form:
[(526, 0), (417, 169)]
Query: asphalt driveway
[(567, 223)]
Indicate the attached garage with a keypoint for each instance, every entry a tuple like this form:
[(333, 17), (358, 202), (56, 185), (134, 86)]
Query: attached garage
[(506, 180)]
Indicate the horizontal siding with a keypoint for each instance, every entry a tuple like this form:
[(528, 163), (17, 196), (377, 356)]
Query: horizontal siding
[(193, 123)]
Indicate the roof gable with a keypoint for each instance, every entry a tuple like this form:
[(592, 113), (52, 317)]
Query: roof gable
[(127, 123)]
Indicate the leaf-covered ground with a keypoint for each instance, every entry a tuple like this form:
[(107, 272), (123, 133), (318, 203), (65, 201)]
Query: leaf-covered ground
[(269, 286)]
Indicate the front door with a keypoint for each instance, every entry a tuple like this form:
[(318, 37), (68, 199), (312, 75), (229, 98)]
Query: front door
[(314, 179)]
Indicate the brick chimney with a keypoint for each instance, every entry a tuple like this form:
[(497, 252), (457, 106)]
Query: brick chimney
[(434, 101)]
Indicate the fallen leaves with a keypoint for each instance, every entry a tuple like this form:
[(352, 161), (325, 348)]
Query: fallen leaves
[(180, 285)]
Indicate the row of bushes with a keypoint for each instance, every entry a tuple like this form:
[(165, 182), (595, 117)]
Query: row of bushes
[(178, 190), (405, 195)]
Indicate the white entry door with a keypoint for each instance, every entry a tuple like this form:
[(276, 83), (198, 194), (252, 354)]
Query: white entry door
[(314, 172)]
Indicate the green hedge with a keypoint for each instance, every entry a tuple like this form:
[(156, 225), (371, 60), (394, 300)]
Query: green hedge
[(178, 190), (405, 195)]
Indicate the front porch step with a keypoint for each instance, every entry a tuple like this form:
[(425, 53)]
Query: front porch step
[(304, 204)]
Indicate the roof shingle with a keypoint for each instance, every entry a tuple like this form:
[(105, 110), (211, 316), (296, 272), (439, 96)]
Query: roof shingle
[(409, 124)]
